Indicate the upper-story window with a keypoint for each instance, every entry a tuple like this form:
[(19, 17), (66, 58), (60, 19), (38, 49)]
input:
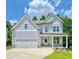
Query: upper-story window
[(46, 29), (55, 28), (25, 26)]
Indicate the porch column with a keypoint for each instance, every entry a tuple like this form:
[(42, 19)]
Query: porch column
[(61, 41), (12, 39), (52, 41), (39, 41), (66, 41)]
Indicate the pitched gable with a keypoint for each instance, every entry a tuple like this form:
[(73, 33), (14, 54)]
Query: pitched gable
[(25, 20), (53, 19)]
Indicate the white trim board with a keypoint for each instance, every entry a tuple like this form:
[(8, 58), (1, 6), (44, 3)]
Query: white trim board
[(26, 30)]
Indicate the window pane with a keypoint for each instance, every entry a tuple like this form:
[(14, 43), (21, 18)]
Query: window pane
[(54, 28), (58, 40), (57, 28), (25, 26), (54, 41)]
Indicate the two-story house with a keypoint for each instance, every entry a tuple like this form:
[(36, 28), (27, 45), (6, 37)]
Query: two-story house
[(29, 33)]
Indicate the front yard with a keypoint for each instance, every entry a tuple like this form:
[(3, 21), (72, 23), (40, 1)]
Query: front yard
[(59, 55), (38, 52)]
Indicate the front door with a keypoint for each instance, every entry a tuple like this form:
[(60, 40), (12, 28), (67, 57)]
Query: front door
[(46, 42)]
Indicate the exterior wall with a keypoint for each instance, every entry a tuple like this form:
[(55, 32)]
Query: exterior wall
[(25, 37), (26, 34), (39, 39), (60, 26), (60, 44), (43, 27), (29, 26), (13, 42), (50, 27), (30, 37), (49, 41), (61, 41)]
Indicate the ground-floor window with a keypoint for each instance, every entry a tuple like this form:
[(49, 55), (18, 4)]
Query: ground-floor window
[(56, 40)]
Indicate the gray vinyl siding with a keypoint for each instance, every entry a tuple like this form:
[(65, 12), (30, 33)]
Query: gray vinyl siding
[(50, 27), (30, 37), (25, 37), (30, 26), (26, 34)]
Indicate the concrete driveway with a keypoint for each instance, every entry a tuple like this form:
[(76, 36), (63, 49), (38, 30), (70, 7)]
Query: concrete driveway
[(28, 53)]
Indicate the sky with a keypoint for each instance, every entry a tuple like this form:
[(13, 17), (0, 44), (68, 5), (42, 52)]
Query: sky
[(15, 9)]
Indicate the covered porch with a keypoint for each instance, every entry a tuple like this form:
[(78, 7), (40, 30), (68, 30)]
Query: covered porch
[(54, 40)]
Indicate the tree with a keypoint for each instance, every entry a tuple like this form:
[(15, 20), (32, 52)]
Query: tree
[(67, 27), (9, 33), (43, 18), (34, 18), (67, 24)]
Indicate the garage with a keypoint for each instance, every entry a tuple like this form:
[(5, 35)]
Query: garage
[(26, 39), (26, 43)]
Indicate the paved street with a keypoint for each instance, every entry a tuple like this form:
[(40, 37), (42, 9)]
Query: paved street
[(28, 53)]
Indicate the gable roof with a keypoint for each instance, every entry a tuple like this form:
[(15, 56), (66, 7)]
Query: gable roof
[(25, 17), (51, 18)]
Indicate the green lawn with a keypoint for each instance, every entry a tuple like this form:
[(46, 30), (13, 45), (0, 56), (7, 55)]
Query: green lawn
[(59, 55)]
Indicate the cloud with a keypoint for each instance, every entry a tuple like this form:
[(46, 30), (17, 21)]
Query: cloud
[(68, 13), (60, 11), (13, 21), (56, 2), (40, 7), (25, 10)]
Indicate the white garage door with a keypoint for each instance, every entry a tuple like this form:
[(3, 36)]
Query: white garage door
[(26, 39), (26, 43)]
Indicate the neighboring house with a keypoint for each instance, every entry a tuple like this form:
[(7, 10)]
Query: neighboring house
[(29, 33)]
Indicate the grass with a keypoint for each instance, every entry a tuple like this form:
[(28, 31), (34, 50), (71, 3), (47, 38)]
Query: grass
[(60, 55), (8, 47)]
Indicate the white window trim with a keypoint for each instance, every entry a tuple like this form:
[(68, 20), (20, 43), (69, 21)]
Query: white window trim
[(56, 29)]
